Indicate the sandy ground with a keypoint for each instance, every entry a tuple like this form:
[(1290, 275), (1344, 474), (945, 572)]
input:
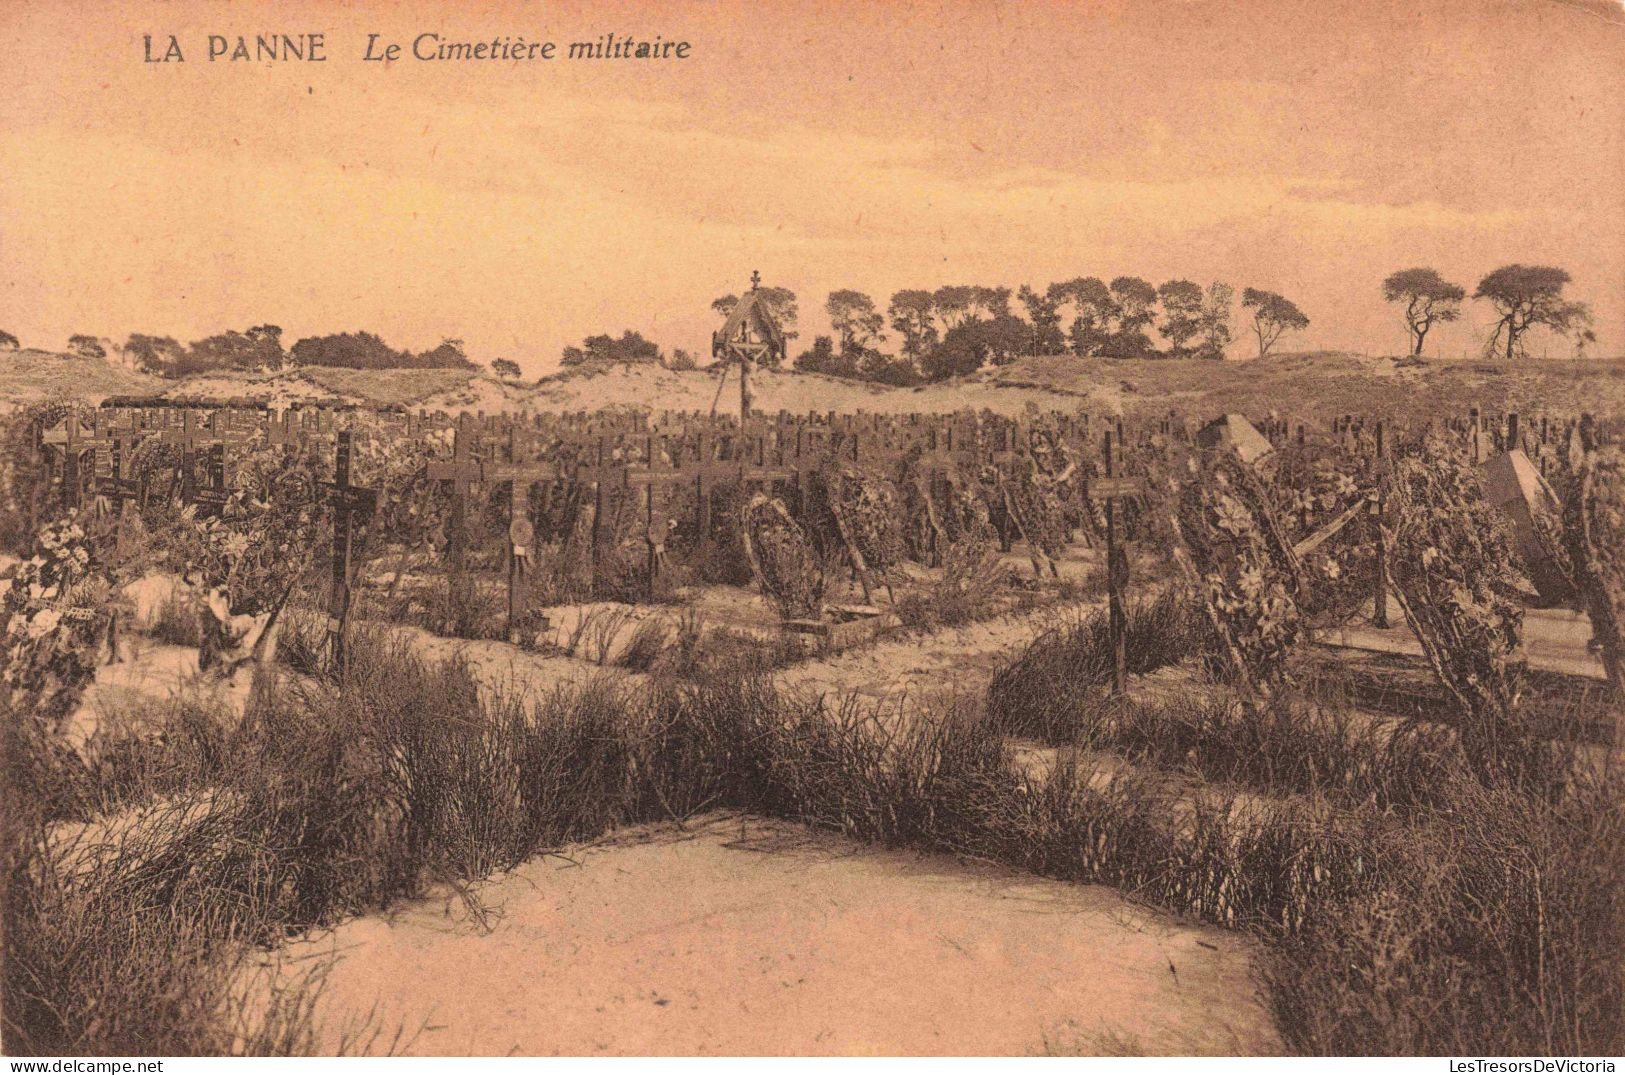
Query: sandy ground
[(746, 937), (138, 694), (1554, 640), (957, 661)]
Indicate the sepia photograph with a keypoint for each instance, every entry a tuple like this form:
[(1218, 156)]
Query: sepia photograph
[(780, 528)]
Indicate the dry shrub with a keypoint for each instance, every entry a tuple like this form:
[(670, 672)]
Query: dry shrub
[(600, 628), (593, 634), (1045, 692), (92, 972), (1483, 918), (645, 646), (972, 581), (1492, 927), (467, 607), (177, 622), (622, 574), (128, 935), (1284, 746)]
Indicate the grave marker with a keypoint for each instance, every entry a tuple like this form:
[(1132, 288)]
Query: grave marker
[(348, 501)]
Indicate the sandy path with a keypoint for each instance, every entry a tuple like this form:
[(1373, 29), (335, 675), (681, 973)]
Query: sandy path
[(958, 661), (950, 661), (789, 942), (1554, 640), (506, 670)]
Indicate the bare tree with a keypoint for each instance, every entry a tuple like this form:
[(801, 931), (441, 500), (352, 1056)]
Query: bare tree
[(1428, 298)]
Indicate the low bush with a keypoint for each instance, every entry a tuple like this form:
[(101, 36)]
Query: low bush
[(645, 646), (1045, 691), (1491, 927), (972, 581)]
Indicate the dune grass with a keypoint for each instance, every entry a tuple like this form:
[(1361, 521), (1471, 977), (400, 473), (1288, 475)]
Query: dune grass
[(1478, 919), (1042, 693)]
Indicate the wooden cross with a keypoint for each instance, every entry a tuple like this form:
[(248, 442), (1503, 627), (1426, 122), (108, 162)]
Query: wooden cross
[(658, 471), (186, 439), (464, 471), (214, 495), (520, 477), (1111, 489), (348, 502), (68, 438), (1379, 598), (214, 434), (190, 437), (116, 485)]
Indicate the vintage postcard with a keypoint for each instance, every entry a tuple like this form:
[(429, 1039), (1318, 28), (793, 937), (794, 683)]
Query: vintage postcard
[(784, 528)]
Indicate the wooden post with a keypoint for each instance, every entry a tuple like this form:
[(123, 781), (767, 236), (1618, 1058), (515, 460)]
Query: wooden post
[(654, 541), (457, 539), (338, 600), (217, 471), (599, 462), (188, 460), (520, 536), (70, 464), (702, 484), (1116, 577), (1379, 611)]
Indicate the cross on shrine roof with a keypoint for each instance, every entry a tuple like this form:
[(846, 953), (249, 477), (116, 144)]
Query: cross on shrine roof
[(751, 329)]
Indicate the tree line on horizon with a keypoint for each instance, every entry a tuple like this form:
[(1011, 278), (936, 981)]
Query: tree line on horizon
[(958, 329), (259, 349), (952, 331)]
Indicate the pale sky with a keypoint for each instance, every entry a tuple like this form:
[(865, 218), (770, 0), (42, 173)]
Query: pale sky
[(1306, 148)]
